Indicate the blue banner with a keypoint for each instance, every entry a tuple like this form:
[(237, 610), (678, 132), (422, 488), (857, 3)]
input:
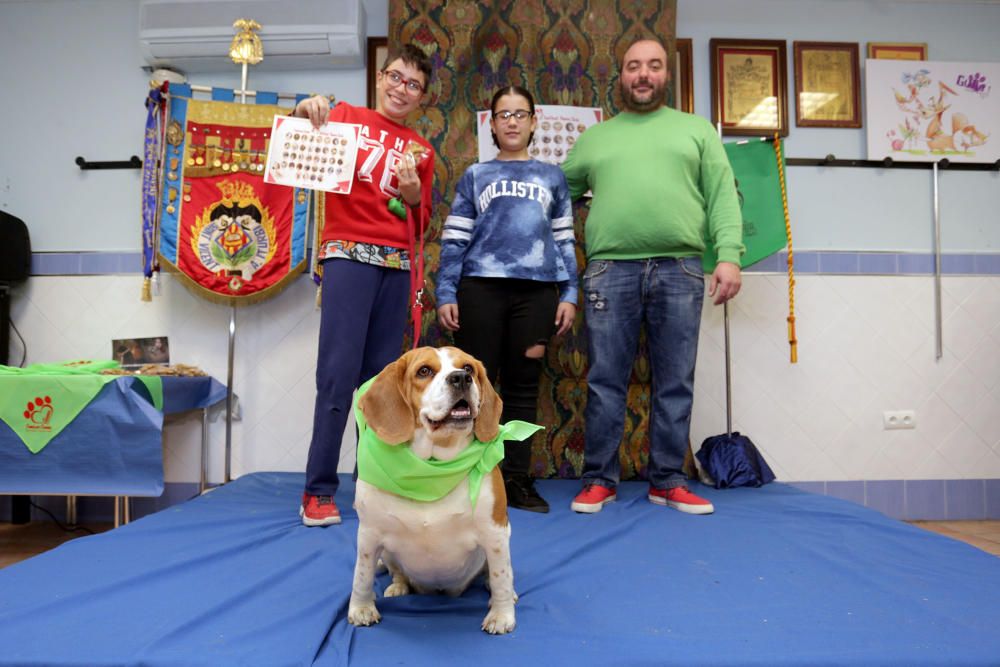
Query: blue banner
[(151, 157)]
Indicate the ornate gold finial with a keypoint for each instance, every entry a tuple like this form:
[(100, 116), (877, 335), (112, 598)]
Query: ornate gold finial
[(246, 47)]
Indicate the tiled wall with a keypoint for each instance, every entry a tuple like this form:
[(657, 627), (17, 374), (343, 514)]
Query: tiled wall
[(865, 325)]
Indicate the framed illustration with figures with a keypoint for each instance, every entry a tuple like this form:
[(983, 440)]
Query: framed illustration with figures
[(827, 84), (920, 110), (378, 49), (749, 86)]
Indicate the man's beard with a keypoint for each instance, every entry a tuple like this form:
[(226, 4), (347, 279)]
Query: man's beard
[(654, 100)]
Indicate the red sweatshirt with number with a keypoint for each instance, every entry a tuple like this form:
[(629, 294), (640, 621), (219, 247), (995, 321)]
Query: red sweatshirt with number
[(364, 215)]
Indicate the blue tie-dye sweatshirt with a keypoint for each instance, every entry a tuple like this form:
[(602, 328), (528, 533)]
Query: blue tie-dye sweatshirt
[(509, 219)]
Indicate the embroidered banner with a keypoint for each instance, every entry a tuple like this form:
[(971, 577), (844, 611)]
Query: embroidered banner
[(231, 237)]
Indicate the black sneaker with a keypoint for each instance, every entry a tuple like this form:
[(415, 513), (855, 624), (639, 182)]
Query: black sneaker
[(521, 494)]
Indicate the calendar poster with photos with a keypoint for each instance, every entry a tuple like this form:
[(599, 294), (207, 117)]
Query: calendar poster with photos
[(558, 129), (303, 156)]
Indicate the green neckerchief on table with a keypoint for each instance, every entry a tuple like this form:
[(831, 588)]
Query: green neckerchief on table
[(37, 402), (396, 469)]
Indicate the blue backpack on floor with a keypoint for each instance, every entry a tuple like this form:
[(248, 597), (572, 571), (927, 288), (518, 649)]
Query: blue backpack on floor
[(733, 460)]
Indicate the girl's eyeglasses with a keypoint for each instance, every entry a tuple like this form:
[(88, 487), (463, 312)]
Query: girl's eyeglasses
[(520, 114)]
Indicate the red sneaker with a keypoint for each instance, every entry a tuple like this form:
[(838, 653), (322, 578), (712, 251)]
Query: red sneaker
[(319, 510), (680, 498), (593, 498)]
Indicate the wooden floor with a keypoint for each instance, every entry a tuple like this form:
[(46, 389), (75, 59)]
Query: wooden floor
[(984, 535), (22, 541), (19, 542)]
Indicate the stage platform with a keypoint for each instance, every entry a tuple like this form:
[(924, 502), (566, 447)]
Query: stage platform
[(776, 576)]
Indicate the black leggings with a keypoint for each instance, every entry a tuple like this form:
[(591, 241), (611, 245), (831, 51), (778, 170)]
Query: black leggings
[(499, 320)]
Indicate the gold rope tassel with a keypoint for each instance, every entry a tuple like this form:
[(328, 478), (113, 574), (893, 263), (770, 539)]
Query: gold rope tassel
[(319, 296), (147, 289), (792, 340)]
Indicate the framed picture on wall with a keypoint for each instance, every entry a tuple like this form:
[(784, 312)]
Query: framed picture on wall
[(897, 51), (827, 84), (750, 86), (683, 77), (378, 49)]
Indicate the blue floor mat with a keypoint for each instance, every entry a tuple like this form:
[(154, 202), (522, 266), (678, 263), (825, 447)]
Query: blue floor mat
[(775, 576)]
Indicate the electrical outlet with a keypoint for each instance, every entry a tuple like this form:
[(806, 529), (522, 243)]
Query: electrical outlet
[(899, 419)]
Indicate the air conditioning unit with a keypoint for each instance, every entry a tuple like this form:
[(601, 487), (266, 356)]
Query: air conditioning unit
[(296, 34)]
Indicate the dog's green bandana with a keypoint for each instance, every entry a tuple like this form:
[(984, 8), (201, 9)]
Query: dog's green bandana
[(37, 402), (398, 470)]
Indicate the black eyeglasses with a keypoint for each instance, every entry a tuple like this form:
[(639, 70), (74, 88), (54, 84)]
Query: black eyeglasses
[(520, 114), (395, 78)]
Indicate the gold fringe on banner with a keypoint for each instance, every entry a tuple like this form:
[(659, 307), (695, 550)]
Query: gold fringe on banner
[(215, 297)]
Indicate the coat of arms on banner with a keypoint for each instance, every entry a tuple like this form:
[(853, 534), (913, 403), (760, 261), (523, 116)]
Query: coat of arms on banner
[(229, 235)]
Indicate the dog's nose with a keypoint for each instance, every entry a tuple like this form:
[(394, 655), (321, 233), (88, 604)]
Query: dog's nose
[(460, 379)]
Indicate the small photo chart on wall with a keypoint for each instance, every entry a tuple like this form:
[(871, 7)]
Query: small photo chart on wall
[(557, 131), (920, 110)]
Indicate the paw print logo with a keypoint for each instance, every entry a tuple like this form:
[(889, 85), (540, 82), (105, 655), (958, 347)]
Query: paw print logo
[(38, 413)]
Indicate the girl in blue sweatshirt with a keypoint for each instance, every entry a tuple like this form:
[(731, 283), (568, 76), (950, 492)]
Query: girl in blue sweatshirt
[(507, 278)]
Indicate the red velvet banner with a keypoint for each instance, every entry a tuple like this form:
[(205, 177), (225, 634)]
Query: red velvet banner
[(230, 236)]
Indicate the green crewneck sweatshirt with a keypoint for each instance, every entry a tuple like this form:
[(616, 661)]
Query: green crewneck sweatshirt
[(658, 179)]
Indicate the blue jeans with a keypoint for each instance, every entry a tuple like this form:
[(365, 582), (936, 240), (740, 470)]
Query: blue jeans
[(362, 321), (620, 296)]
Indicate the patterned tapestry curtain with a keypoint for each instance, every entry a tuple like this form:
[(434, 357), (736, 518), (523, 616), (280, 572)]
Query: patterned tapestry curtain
[(564, 53)]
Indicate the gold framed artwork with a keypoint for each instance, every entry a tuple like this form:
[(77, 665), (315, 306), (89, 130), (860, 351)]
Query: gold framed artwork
[(827, 84), (683, 76), (750, 86), (897, 51), (378, 49)]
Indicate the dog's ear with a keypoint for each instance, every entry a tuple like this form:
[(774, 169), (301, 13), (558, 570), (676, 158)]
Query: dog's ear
[(385, 406), (487, 423)]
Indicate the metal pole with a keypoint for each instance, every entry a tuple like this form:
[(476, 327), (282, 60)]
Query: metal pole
[(938, 337), (229, 395), (203, 479), (232, 341), (729, 383), (725, 326), (71, 510), (242, 91)]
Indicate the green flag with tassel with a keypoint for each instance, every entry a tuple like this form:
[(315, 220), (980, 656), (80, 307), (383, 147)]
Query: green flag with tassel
[(758, 185)]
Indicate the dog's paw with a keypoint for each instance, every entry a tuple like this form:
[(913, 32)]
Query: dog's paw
[(499, 622), (395, 589), (363, 614)]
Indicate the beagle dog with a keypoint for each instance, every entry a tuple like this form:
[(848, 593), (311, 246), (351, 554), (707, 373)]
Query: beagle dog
[(434, 401)]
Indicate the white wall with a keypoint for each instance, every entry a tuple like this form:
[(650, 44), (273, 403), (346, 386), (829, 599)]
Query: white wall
[(862, 209), (866, 344), (71, 86)]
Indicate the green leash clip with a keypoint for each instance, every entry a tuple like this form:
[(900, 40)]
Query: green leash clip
[(398, 208)]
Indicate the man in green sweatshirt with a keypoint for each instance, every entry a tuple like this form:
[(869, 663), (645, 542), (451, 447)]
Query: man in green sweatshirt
[(659, 179)]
